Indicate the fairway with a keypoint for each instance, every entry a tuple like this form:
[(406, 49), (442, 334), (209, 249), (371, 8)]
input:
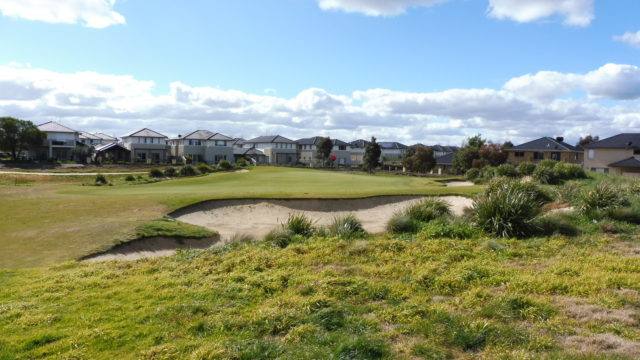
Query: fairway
[(50, 222)]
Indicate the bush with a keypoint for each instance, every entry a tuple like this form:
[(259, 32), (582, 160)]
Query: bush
[(204, 168), (280, 237), (548, 163), (155, 173), (472, 174), (188, 170), (603, 196), (568, 193), (101, 180), (363, 348), (509, 208), (170, 172), (546, 174), (428, 209), (566, 171), (487, 173), (130, 178), (400, 222), (299, 224), (506, 170), (526, 168), (225, 165), (242, 162), (347, 227)]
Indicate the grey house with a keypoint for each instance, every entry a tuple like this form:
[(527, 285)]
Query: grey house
[(147, 146), (308, 151), (392, 152), (59, 144), (202, 146), (619, 154), (278, 150)]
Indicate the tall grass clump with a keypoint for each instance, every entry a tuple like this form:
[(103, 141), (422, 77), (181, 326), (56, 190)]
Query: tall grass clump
[(428, 209), (299, 224), (280, 237), (101, 180), (545, 175), (602, 197), (346, 227), (509, 208), (188, 170), (156, 173), (401, 222), (569, 192), (526, 168), (130, 178)]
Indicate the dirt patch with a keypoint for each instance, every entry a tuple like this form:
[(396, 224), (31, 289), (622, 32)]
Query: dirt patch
[(585, 313), (459, 183), (259, 216), (603, 343), (150, 248)]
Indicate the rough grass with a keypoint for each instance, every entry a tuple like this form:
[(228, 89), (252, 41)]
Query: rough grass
[(44, 220), (172, 228), (321, 298)]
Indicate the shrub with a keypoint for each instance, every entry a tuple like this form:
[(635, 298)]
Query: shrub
[(170, 172), (603, 196), (225, 165), (400, 222), (280, 237), (130, 178), (428, 209), (546, 174), (526, 168), (101, 180), (155, 173), (568, 193), (566, 171), (547, 163), (188, 170), (472, 174), (204, 168), (363, 348), (242, 162), (488, 173), (346, 227), (506, 170), (299, 224), (508, 208)]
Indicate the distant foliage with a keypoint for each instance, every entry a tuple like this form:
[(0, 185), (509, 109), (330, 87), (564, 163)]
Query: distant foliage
[(225, 165), (242, 162), (546, 175), (526, 168), (130, 178), (156, 173), (506, 170), (101, 180), (371, 158), (324, 146), (204, 168), (188, 170), (170, 172), (419, 159), (473, 174)]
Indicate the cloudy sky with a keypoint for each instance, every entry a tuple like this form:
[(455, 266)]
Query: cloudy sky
[(430, 71)]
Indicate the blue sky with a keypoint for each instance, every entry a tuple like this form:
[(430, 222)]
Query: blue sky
[(298, 66)]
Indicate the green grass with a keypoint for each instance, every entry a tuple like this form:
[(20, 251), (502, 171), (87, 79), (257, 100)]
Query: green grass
[(172, 228), (47, 220)]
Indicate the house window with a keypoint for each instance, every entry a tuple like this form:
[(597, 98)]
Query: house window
[(519, 154), (636, 152), (591, 154), (342, 147), (555, 156), (538, 155), (221, 143)]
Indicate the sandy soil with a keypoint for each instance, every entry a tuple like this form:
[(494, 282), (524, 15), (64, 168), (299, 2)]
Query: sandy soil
[(256, 217), (459, 183), (150, 248)]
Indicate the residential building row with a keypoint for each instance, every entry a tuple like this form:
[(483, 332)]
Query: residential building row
[(619, 154)]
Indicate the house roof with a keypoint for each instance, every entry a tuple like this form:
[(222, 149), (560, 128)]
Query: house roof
[(445, 159), (53, 126), (338, 142), (545, 144), (249, 151), (104, 136), (308, 141), (271, 139), (198, 135), (445, 148), (146, 133), (620, 141), (633, 161), (360, 144), (105, 147), (218, 136), (86, 135), (392, 145)]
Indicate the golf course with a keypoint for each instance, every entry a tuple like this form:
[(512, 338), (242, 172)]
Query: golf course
[(431, 281)]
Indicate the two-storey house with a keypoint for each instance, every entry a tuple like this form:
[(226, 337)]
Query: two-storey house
[(59, 143), (277, 149), (147, 146), (619, 154), (203, 146)]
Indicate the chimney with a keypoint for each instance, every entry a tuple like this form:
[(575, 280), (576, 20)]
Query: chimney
[(179, 136), (559, 139)]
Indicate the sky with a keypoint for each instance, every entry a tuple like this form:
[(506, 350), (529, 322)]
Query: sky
[(428, 71)]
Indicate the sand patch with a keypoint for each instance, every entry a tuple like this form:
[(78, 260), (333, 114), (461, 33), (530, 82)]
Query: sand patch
[(459, 183), (603, 343), (150, 248), (259, 216)]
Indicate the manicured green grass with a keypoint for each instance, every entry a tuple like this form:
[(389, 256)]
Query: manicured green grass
[(45, 221), (404, 297)]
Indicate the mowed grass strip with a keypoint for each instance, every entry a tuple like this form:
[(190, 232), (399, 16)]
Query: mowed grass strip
[(42, 223)]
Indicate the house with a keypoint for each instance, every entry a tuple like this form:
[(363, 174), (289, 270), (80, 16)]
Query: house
[(357, 151), (442, 150), (202, 146), (278, 149), (392, 152), (89, 139), (545, 148), (619, 154), (111, 152), (308, 151), (59, 144), (444, 164), (106, 139), (147, 146)]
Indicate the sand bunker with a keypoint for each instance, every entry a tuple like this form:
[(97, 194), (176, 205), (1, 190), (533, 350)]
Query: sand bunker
[(256, 217), (150, 248), (459, 183)]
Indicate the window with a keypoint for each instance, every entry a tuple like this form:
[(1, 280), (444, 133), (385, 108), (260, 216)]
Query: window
[(519, 154), (636, 152), (555, 156), (221, 143), (591, 154), (538, 155), (195, 142), (342, 147)]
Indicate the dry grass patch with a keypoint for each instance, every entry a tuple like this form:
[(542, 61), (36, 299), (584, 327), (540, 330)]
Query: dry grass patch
[(585, 313), (601, 344)]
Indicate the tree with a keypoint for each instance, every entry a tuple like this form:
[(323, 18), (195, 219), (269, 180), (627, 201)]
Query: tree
[(18, 135), (371, 158), (507, 145), (490, 155), (419, 159), (587, 140), (478, 153), (324, 146)]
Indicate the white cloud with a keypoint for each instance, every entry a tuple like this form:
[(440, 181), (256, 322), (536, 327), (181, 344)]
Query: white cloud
[(375, 7), (91, 13), (630, 37), (526, 107), (574, 12)]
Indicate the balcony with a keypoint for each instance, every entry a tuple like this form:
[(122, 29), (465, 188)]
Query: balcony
[(62, 143)]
